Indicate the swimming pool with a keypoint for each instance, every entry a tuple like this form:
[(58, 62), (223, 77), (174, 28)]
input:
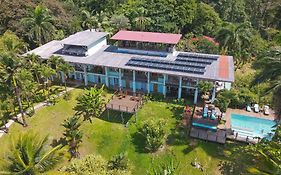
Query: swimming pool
[(252, 126)]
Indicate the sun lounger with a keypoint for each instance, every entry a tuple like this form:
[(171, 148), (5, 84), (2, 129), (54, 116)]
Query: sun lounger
[(213, 115), (266, 110), (205, 112), (256, 108), (248, 108)]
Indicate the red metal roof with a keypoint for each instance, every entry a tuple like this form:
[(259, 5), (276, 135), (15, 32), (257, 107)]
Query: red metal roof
[(223, 67), (152, 37)]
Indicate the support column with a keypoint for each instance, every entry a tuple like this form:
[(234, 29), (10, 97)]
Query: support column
[(85, 76), (148, 82), (180, 88), (164, 85), (213, 94), (120, 80), (106, 77), (62, 77), (195, 96), (75, 76), (134, 81)]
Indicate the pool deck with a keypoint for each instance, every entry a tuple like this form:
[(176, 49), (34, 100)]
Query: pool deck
[(230, 111), (224, 130), (218, 136), (261, 115)]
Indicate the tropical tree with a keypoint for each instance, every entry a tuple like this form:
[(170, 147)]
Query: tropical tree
[(153, 132), (234, 39), (65, 68), (12, 66), (33, 63), (30, 154), (232, 11), (9, 42), (261, 158), (142, 20), (73, 135), (54, 61), (90, 104), (39, 25), (270, 65), (205, 87), (206, 21), (46, 72), (120, 22), (89, 21)]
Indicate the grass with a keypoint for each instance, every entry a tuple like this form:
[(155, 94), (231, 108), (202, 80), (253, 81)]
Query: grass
[(108, 136)]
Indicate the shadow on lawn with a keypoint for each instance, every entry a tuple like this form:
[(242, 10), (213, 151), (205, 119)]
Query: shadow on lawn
[(138, 140), (115, 117)]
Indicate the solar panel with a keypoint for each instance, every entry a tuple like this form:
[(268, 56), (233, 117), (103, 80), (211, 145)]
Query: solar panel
[(161, 66), (198, 55), (195, 60), (167, 62)]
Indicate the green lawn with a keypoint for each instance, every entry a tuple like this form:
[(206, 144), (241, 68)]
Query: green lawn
[(108, 136)]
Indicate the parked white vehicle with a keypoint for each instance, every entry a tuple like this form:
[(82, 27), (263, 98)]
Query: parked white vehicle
[(256, 108), (266, 110)]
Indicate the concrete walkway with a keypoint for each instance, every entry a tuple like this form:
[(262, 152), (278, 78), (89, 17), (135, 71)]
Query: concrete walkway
[(36, 108)]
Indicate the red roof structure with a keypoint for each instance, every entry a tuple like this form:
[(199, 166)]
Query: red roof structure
[(223, 67), (207, 38), (150, 37)]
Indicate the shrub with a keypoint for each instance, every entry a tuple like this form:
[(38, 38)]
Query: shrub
[(67, 96), (118, 162), (154, 134), (92, 165)]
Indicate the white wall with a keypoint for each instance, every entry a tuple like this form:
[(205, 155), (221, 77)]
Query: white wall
[(97, 46)]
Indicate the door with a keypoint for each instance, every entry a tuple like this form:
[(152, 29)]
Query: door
[(127, 84), (155, 88)]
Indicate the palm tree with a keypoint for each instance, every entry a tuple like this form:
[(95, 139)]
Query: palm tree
[(89, 21), (54, 62), (65, 68), (103, 22), (12, 66), (90, 104), (73, 135), (142, 21), (29, 155), (235, 39), (33, 62), (39, 24), (270, 64), (46, 72), (29, 89)]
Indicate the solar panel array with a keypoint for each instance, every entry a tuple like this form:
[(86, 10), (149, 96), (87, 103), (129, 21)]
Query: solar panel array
[(185, 62), (166, 65)]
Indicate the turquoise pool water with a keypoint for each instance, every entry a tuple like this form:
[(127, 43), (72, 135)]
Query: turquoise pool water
[(252, 126)]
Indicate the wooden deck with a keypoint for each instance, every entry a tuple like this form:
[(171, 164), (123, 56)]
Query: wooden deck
[(218, 136), (126, 103)]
